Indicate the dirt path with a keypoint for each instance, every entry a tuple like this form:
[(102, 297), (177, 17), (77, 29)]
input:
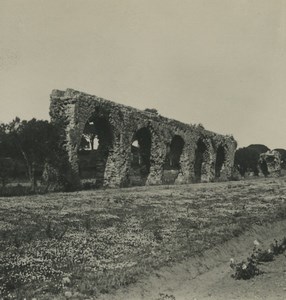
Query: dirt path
[(209, 276)]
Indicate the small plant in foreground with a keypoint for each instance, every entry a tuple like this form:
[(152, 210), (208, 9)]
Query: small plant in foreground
[(166, 297), (260, 256), (244, 270), (249, 269), (278, 248)]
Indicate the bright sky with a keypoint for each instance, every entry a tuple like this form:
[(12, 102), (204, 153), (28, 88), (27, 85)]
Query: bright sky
[(221, 63)]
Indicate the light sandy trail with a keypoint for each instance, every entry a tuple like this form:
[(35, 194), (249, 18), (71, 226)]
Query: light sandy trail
[(209, 276)]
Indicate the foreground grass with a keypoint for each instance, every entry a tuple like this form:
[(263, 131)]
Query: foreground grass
[(78, 245)]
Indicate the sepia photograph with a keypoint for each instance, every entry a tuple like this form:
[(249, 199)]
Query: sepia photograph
[(142, 149)]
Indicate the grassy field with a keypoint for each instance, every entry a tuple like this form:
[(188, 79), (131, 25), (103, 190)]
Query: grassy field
[(78, 245)]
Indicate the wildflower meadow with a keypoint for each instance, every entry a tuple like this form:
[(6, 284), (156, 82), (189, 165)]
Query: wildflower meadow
[(82, 244)]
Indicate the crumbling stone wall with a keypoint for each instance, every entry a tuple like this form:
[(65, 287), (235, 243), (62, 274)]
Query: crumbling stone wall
[(74, 109), (269, 163)]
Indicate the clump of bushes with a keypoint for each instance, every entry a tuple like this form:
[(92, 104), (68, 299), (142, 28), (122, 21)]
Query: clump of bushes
[(245, 270), (278, 248), (163, 296), (249, 268)]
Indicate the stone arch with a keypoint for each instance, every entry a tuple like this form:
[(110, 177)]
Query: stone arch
[(140, 156), (201, 156), (220, 161), (172, 164), (93, 156)]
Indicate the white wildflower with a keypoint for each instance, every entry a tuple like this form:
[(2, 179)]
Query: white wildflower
[(232, 261), (66, 280), (68, 294), (256, 243), (244, 267)]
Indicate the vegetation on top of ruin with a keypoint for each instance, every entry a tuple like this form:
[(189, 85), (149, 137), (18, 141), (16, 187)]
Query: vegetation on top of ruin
[(152, 111)]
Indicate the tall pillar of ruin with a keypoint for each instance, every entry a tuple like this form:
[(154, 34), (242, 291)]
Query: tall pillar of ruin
[(157, 158), (229, 157)]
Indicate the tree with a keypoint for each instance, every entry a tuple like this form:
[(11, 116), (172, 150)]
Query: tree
[(7, 147), (89, 134), (246, 159), (6, 170), (7, 150), (35, 142), (259, 148)]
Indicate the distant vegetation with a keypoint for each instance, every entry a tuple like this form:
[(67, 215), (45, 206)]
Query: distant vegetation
[(258, 148), (25, 148), (246, 158)]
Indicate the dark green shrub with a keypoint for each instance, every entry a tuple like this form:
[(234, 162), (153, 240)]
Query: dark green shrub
[(278, 248), (245, 270)]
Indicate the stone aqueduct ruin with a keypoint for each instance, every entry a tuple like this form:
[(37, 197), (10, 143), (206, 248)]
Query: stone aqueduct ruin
[(188, 152)]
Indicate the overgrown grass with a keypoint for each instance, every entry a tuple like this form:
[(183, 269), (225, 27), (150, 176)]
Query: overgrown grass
[(91, 242)]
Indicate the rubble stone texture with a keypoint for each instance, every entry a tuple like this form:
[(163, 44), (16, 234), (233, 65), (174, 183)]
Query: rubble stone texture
[(165, 146), (269, 163)]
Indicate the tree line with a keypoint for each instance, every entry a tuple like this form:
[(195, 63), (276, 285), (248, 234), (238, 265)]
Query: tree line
[(29, 146), (246, 158)]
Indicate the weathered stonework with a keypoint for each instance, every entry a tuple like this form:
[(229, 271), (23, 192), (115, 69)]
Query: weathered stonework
[(269, 163), (117, 127)]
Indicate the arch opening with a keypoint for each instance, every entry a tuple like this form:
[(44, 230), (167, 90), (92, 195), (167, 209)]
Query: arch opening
[(172, 165), (140, 157), (264, 168), (220, 160), (200, 158), (95, 145)]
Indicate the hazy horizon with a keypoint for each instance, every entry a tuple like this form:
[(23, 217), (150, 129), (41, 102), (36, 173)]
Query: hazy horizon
[(221, 63)]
